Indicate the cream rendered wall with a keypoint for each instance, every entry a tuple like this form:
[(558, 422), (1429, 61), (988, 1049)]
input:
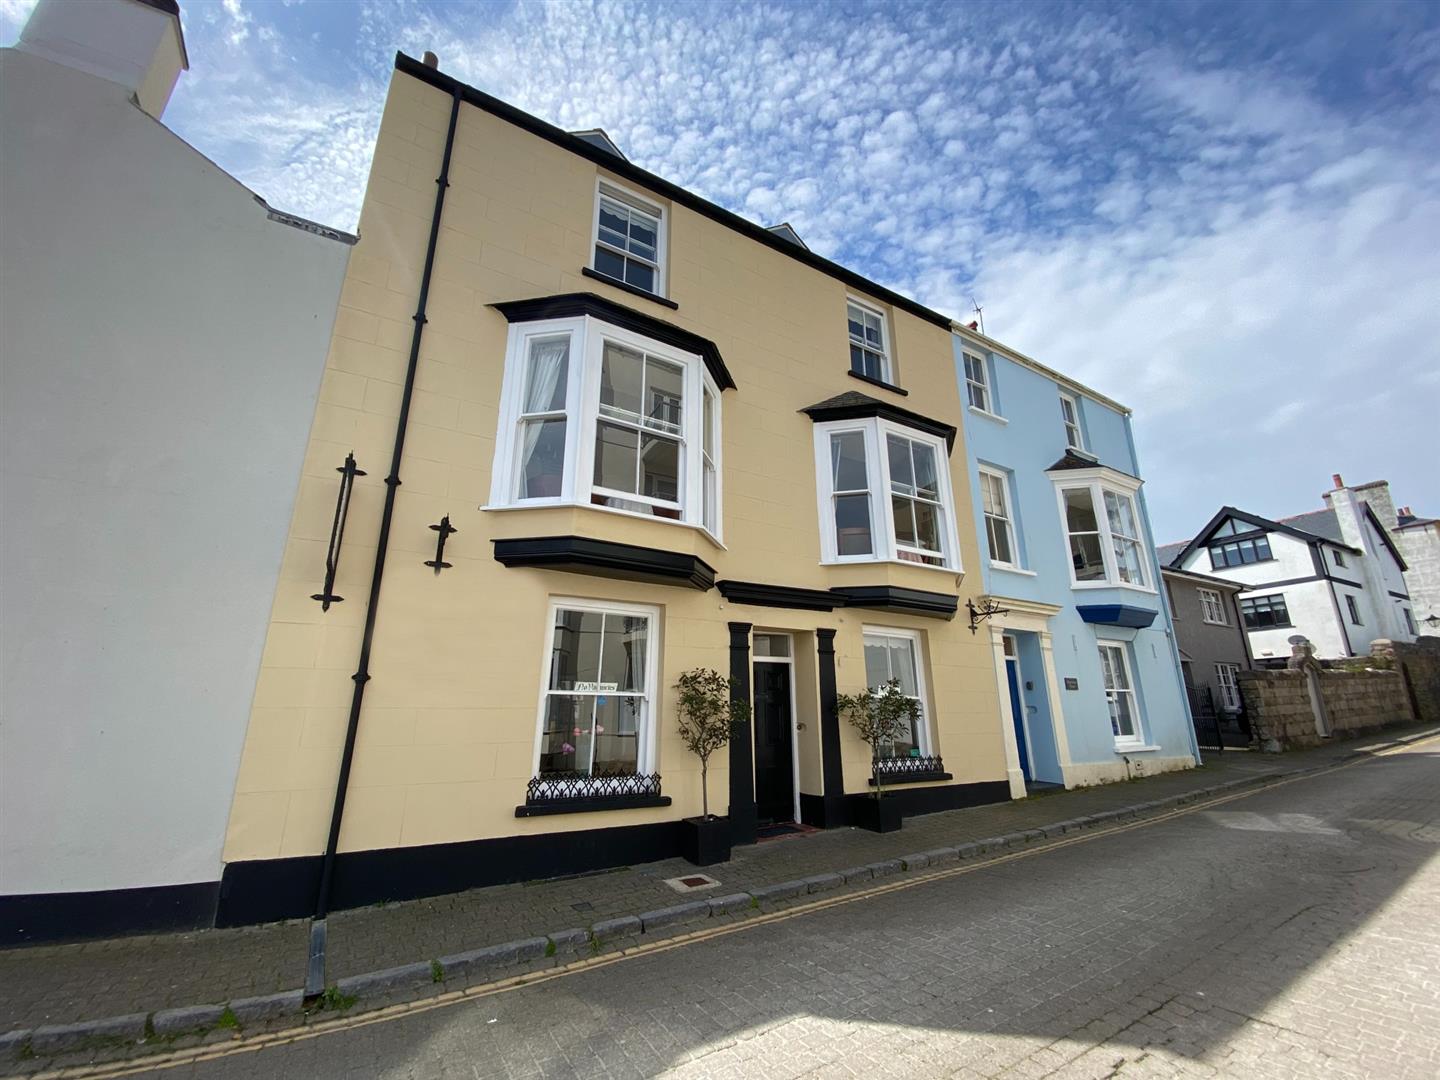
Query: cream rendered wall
[(448, 733), (162, 347)]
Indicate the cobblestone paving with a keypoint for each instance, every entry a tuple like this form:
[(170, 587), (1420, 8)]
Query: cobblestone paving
[(57, 984), (1289, 934)]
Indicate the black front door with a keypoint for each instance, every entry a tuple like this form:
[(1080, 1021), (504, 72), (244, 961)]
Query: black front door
[(774, 769)]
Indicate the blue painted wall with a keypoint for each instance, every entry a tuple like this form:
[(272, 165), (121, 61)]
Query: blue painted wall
[(1026, 439)]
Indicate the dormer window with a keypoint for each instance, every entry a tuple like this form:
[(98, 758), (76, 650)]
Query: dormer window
[(869, 347), (629, 240)]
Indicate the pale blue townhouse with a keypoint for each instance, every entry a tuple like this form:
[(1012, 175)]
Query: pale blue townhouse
[(1084, 647)]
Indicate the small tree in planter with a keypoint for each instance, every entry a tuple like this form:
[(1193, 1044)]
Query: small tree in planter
[(878, 716), (706, 716)]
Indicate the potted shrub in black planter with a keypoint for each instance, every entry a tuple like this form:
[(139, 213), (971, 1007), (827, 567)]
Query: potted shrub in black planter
[(878, 716), (706, 713)]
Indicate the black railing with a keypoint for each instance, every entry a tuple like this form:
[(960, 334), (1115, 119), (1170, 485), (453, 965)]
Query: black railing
[(347, 472), (893, 767), (559, 786)]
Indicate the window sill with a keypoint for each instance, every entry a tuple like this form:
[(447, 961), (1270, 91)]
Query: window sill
[(913, 778), (626, 287), (1135, 748), (893, 562), (881, 383), (988, 415), (1212, 622), (1006, 568), (552, 504), (586, 804), (1080, 451), (1085, 585)]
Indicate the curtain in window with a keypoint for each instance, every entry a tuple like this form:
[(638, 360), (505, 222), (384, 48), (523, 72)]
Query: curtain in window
[(542, 449)]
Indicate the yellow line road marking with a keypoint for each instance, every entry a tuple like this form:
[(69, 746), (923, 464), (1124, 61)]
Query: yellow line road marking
[(267, 1040)]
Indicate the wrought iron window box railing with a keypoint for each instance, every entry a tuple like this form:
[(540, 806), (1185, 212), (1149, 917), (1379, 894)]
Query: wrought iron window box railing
[(909, 770), (581, 793)]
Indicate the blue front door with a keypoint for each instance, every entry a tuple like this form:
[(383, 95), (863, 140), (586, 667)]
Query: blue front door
[(1017, 710)]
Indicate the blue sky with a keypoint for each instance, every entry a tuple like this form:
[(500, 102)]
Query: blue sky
[(1224, 215)]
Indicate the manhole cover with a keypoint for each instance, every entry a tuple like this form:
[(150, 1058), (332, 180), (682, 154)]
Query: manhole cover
[(691, 883)]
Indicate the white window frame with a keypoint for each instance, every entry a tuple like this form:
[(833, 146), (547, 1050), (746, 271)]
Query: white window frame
[(1098, 482), (1078, 442), (986, 390), (882, 517), (645, 744), (609, 189), (1011, 534), (1209, 597), (1226, 677), (1137, 738), (916, 640), (887, 367), (582, 409)]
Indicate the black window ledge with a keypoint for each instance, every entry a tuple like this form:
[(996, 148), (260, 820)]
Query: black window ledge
[(914, 778), (586, 804), (625, 286), (881, 383)]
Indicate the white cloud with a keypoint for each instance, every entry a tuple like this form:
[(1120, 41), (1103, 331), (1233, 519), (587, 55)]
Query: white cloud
[(1211, 234)]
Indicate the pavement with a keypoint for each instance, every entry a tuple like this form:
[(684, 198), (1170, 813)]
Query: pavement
[(53, 984)]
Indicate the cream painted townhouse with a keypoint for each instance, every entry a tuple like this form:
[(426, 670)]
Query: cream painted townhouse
[(581, 431)]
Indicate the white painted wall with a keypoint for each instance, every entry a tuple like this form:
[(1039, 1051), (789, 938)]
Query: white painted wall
[(162, 346), (1291, 560), (1313, 613)]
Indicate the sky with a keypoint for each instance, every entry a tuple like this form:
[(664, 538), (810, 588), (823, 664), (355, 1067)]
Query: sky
[(1226, 216)]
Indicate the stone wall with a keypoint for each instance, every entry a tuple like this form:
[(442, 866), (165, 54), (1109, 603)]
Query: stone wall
[(1419, 666), (1280, 708)]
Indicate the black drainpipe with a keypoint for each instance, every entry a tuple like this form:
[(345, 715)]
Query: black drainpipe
[(315, 972)]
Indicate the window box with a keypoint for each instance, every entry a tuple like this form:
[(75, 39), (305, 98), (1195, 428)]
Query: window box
[(580, 793), (909, 770)]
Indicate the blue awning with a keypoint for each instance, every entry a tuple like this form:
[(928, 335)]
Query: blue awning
[(1116, 615)]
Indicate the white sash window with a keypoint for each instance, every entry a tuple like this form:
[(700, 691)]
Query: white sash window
[(596, 415), (884, 494)]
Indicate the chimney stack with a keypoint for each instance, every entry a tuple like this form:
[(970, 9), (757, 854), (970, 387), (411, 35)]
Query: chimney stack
[(430, 60), (134, 43), (1335, 479)]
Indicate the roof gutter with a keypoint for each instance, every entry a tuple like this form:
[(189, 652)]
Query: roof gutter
[(315, 970), (676, 194)]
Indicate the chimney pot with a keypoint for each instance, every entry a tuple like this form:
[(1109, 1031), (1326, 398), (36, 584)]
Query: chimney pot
[(974, 325), (430, 60), (1335, 479)]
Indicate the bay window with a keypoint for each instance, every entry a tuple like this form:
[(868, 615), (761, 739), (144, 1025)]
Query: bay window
[(593, 414), (596, 710), (1102, 530), (884, 494)]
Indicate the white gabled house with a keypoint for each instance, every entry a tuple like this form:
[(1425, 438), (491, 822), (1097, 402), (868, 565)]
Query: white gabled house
[(1332, 575)]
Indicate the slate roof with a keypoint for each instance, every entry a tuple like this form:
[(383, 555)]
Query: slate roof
[(1321, 523), (1410, 521), (1168, 552), (1072, 460)]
